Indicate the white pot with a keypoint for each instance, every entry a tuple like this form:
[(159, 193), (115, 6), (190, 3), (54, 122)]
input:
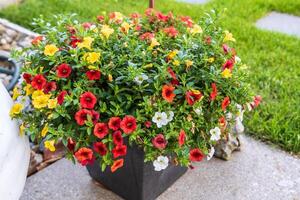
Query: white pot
[(14, 152)]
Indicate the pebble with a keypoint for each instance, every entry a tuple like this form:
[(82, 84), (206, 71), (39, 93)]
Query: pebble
[(12, 39)]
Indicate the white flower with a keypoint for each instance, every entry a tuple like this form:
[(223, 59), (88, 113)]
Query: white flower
[(238, 127), (161, 163), (210, 153), (237, 59), (215, 134), (170, 116), (140, 78), (160, 119), (198, 111)]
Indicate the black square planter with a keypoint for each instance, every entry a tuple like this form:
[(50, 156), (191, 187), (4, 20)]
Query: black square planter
[(136, 180)]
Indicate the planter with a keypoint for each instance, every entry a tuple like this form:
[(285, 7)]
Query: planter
[(136, 180), (14, 152), (10, 68)]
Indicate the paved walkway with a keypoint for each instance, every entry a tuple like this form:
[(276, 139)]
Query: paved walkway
[(4, 3), (257, 172), (280, 22)]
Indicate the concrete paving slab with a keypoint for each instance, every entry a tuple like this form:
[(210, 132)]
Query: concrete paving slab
[(257, 172), (280, 22), (194, 1), (4, 3)]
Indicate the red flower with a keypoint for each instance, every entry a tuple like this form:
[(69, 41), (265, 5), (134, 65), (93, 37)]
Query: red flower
[(100, 18), (172, 73), (222, 121), (208, 40), (86, 25), (74, 41), (100, 148), (226, 48), (93, 74), (116, 165), (168, 93), (114, 123), (187, 21), (50, 86), (71, 30), (214, 92), (84, 156), (63, 70), (171, 31), (147, 36), (61, 97), (95, 116), (196, 155), (119, 150), (228, 65), (27, 77), (37, 40), (100, 130), (128, 124), (117, 138), (162, 17), (81, 116), (88, 100), (225, 103), (181, 138), (257, 100), (159, 141), (148, 124), (38, 82), (192, 96), (135, 15), (71, 144)]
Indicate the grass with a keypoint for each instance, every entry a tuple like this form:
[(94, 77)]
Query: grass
[(273, 58)]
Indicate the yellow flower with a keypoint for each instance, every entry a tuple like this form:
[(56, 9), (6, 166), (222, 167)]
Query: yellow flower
[(50, 50), (117, 16), (86, 43), (28, 90), (110, 78), (106, 31), (150, 65), (52, 103), (45, 130), (92, 67), (49, 145), (16, 109), (226, 73), (37, 93), (125, 27), (172, 54), (196, 29), (40, 101), (91, 57), (22, 129), (176, 63), (228, 37), (154, 43), (188, 63), (16, 93), (211, 60)]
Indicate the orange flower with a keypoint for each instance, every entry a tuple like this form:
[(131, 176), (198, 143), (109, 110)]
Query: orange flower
[(117, 164), (168, 93)]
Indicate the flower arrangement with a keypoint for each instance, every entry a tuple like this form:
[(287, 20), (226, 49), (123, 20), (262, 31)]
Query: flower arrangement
[(168, 84)]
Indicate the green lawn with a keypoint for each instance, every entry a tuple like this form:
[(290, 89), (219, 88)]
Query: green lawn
[(274, 59)]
